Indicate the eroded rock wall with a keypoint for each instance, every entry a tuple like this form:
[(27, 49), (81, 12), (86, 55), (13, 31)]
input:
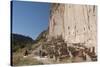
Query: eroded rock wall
[(75, 23)]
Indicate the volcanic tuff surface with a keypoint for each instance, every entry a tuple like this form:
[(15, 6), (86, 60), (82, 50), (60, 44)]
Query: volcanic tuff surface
[(75, 23)]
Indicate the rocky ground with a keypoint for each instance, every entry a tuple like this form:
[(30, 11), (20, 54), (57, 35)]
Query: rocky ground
[(57, 51)]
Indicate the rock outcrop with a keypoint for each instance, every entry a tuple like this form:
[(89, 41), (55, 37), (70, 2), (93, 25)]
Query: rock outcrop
[(75, 23), (71, 35)]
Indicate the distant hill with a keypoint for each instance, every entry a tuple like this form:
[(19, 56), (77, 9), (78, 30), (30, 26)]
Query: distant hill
[(42, 36), (20, 41)]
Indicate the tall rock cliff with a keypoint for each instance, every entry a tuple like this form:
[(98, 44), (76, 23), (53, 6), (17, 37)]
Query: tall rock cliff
[(75, 23)]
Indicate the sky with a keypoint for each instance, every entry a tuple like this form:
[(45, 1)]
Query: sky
[(30, 18)]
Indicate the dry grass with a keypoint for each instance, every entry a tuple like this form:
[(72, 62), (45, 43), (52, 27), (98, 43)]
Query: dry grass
[(16, 58), (19, 60)]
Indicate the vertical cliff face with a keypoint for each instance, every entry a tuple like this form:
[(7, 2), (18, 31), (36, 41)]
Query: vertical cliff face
[(75, 23)]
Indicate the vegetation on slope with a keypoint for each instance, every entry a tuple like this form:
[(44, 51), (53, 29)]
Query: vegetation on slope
[(20, 42)]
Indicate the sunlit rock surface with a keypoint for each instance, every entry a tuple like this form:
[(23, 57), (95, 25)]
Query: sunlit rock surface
[(75, 23)]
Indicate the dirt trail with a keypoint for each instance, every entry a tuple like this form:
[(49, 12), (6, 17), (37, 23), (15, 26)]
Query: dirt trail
[(44, 60)]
